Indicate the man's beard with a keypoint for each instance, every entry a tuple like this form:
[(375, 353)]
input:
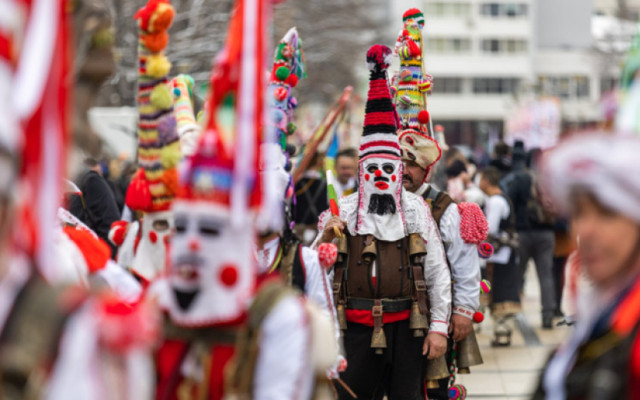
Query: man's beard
[(382, 204)]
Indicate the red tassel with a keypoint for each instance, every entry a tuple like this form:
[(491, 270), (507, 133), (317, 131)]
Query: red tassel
[(138, 194)]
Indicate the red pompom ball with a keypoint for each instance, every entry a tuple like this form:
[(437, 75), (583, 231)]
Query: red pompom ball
[(292, 80), (478, 317), (280, 93), (424, 117)]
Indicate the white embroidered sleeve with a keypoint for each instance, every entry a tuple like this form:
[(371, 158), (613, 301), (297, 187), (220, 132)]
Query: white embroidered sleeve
[(464, 261)]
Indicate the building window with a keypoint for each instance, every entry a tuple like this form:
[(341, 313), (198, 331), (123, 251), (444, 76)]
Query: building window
[(608, 83), (495, 85), (448, 45), (506, 10), (448, 9), (447, 85), (565, 87), (504, 46)]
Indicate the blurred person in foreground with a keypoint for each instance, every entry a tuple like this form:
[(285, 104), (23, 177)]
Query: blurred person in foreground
[(600, 191), (502, 270), (311, 199)]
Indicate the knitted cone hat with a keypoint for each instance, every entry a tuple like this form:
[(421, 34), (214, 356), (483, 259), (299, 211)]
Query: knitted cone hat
[(379, 137), (414, 14), (188, 128), (154, 186)]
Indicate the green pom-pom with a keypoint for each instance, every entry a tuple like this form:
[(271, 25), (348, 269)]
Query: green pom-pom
[(282, 73), (161, 97), (291, 128), (170, 155)]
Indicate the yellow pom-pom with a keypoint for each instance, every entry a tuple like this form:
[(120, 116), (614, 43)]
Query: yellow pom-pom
[(158, 65), (171, 155), (161, 97)]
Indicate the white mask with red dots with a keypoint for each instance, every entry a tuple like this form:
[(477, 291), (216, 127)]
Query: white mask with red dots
[(379, 211), (151, 253), (211, 273)]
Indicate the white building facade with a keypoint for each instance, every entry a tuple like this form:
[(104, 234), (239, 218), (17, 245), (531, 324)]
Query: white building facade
[(488, 57)]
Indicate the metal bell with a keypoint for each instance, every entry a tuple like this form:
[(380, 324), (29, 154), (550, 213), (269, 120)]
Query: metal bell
[(436, 369), (342, 317), (378, 341), (417, 321), (468, 353), (341, 243)]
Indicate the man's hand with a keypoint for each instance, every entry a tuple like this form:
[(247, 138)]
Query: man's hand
[(328, 234), (435, 345), (460, 327)]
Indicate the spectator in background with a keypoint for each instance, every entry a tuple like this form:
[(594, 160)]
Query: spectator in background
[(311, 200), (346, 169), (501, 268), (565, 244), (460, 185), (97, 206), (535, 230), (501, 158)]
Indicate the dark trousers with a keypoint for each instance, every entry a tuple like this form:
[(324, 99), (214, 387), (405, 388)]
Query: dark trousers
[(398, 373), (539, 246), (558, 276)]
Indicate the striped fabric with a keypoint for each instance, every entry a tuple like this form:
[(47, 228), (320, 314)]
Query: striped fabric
[(379, 131)]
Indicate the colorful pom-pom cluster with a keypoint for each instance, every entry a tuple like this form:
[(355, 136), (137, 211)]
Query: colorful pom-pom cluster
[(485, 250), (458, 392), (158, 142), (485, 286)]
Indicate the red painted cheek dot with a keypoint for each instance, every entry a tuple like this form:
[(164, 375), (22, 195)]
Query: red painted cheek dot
[(229, 275), (153, 237), (366, 177), (393, 178), (378, 173)]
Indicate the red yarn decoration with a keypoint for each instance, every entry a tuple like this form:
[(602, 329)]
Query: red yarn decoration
[(424, 117), (473, 224), (478, 317)]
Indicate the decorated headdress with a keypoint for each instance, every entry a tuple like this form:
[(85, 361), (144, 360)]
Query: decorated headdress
[(420, 148), (212, 274), (380, 167), (379, 136), (188, 128), (154, 186), (412, 84), (627, 119), (288, 69)]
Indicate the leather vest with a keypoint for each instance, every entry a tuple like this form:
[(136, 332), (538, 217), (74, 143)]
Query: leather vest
[(292, 269), (438, 203), (391, 263)]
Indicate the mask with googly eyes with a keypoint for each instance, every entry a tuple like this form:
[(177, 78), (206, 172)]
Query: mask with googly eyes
[(211, 274)]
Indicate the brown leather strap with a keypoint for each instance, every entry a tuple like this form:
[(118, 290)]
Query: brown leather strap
[(421, 289), (376, 312), (337, 286)]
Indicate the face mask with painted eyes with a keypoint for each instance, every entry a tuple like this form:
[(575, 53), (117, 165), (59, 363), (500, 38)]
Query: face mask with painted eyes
[(381, 184), (211, 273), (381, 175), (150, 256)]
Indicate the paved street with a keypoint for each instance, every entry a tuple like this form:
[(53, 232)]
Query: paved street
[(512, 373)]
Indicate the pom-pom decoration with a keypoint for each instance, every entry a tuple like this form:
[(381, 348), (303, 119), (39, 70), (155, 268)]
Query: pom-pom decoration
[(170, 155), (423, 117), (155, 42), (167, 130), (478, 317), (485, 250), (378, 58), (280, 93), (161, 97), (157, 65), (138, 194), (327, 255), (282, 73), (474, 227), (485, 286), (458, 392)]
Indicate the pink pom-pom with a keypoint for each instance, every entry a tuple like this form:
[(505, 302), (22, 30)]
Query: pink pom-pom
[(485, 250), (478, 317), (485, 286), (457, 392), (327, 255), (473, 224)]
